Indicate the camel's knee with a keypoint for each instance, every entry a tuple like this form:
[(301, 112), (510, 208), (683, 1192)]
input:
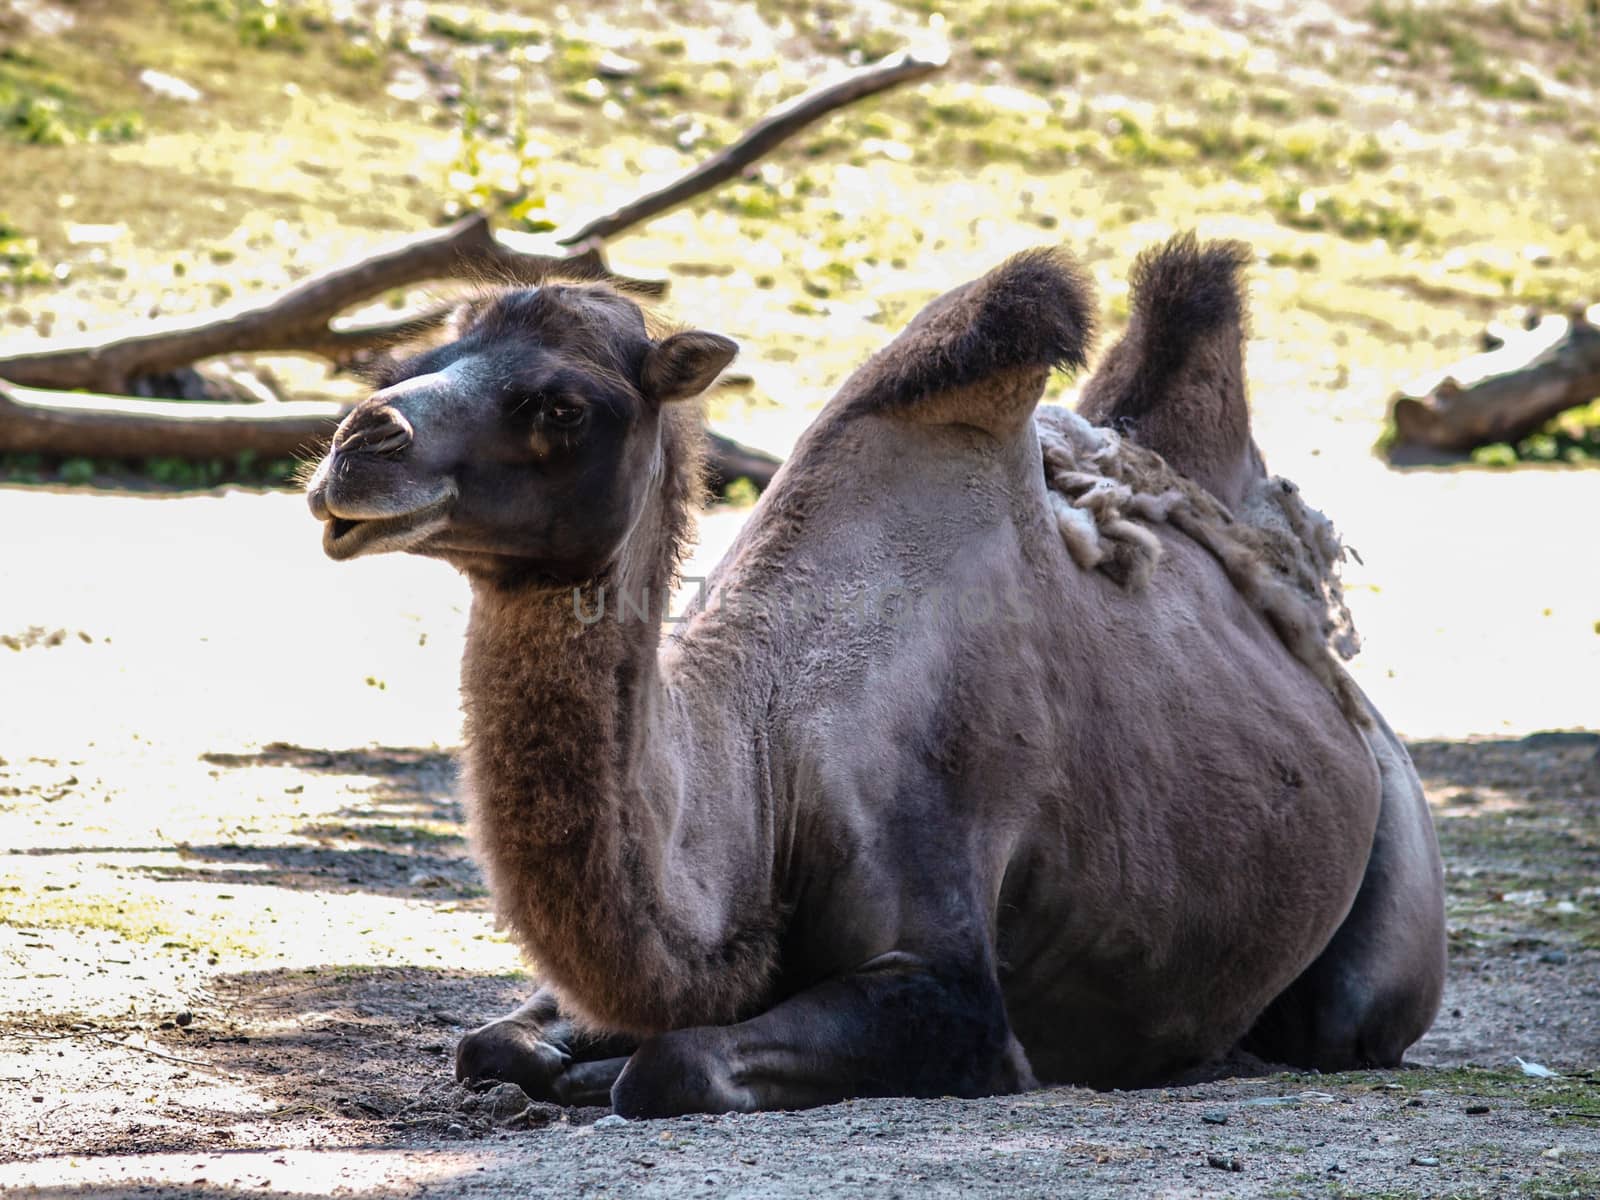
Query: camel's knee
[(896, 1027), (686, 1071)]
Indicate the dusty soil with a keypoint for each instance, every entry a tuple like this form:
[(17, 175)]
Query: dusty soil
[(240, 929)]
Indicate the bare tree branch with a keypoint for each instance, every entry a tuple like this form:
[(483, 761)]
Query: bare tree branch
[(302, 320), (299, 320), (777, 126), (70, 425)]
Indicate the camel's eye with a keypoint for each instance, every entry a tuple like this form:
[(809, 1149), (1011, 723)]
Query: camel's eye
[(563, 414)]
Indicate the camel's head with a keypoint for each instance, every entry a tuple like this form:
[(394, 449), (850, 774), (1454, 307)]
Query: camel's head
[(526, 445)]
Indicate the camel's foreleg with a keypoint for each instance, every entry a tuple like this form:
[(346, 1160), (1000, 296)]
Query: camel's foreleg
[(897, 1026), (540, 1050)]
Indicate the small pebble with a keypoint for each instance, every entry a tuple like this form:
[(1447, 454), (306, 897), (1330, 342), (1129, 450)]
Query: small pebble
[(1214, 1118), (1557, 957), (184, 1019), (611, 1122), (616, 66), (1424, 1160)]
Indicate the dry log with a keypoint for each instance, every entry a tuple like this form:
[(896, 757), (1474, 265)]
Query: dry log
[(73, 425), (727, 460), (300, 320), (777, 126), (1511, 391)]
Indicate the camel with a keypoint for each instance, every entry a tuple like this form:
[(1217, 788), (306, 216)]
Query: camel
[(1005, 746)]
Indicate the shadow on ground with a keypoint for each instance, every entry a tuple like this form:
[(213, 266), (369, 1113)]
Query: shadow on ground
[(401, 835)]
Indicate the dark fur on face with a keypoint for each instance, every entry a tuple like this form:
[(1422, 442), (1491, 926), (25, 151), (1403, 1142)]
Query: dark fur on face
[(588, 322)]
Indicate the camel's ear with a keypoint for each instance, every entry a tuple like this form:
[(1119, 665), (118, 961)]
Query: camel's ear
[(685, 364), (1175, 382), (980, 355)]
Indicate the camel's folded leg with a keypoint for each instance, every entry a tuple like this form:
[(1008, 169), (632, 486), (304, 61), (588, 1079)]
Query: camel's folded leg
[(1375, 989), (898, 1026), (540, 1050)]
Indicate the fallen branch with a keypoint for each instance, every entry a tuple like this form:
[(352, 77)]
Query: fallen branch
[(727, 460), (301, 319), (777, 126), (71, 425), (1509, 392)]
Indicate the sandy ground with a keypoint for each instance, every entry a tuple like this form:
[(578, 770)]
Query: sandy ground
[(240, 931)]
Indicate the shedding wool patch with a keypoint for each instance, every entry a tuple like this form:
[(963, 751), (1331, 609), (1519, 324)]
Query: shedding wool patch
[(1281, 554)]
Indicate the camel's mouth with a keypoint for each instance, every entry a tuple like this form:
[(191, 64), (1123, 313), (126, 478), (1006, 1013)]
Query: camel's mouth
[(350, 537)]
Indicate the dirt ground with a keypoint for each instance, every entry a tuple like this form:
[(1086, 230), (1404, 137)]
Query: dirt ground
[(240, 931)]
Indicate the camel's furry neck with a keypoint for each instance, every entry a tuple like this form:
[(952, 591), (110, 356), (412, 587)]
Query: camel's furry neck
[(571, 768)]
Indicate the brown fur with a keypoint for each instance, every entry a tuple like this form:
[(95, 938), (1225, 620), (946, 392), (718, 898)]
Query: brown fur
[(1175, 381), (979, 354), (555, 714)]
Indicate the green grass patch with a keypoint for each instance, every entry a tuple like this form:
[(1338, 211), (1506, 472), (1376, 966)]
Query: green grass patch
[(132, 918), (1359, 219), (261, 24), (1551, 1096), (19, 258), (1571, 437), (38, 107), (474, 26), (1426, 34)]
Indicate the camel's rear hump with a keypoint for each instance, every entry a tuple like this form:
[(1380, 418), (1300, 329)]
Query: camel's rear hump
[(980, 354), (1175, 382)]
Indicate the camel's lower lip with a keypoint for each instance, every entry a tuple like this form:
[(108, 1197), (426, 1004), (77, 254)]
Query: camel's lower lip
[(348, 537)]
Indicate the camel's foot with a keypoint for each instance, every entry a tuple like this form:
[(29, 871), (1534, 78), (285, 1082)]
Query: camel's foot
[(511, 1051), (538, 1048)]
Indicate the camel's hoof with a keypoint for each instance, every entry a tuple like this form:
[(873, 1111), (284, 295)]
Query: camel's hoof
[(506, 1051)]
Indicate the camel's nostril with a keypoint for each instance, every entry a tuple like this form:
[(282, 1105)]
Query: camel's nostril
[(382, 431)]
